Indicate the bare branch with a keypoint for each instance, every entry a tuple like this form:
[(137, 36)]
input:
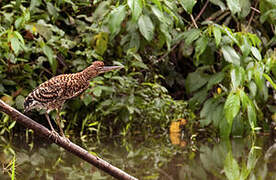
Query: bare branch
[(69, 146)]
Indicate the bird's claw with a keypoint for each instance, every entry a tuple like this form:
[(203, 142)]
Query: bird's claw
[(66, 139), (55, 135)]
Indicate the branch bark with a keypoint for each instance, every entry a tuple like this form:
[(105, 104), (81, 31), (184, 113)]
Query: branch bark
[(69, 146)]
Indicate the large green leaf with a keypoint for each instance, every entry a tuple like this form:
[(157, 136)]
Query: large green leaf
[(195, 81), (50, 55), (219, 3), (15, 44), (115, 19), (136, 7), (230, 55), (188, 5), (217, 35), (232, 107), (256, 53), (231, 167), (201, 45), (191, 35), (215, 79), (237, 76), (245, 8), (234, 6), (146, 27)]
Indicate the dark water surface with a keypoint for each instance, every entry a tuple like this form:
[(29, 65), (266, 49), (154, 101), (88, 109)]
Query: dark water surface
[(165, 157)]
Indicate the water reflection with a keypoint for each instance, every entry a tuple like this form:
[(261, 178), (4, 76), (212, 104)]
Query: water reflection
[(161, 158)]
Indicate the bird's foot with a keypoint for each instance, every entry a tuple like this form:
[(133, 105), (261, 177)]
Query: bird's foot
[(66, 139), (55, 135)]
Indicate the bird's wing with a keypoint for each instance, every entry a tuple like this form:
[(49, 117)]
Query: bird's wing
[(50, 90)]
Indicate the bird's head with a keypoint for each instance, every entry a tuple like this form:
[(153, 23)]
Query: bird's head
[(100, 68)]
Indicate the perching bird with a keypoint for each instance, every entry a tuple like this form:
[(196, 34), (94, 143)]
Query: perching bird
[(53, 93)]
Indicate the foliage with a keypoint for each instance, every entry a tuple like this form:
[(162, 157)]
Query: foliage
[(41, 39), (220, 52)]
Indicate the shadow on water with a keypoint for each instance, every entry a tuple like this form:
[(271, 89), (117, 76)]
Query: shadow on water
[(167, 157)]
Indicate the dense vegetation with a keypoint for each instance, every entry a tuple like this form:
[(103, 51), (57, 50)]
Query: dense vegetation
[(215, 58)]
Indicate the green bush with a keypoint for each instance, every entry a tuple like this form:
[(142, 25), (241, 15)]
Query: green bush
[(216, 54)]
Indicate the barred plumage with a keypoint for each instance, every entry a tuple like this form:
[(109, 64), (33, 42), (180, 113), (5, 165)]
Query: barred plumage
[(53, 93)]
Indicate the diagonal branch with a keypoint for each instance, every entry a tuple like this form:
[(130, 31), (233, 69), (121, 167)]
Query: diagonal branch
[(69, 146)]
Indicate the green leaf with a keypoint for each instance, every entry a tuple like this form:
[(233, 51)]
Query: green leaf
[(256, 53), (224, 128), (237, 76), (101, 42), (97, 91), (217, 35), (245, 8), (205, 112), (146, 27), (50, 55), (18, 23), (244, 100), (52, 10), (136, 7), (164, 29), (201, 45), (211, 112), (191, 35), (157, 3), (18, 35), (195, 80), (215, 79), (252, 158), (251, 114), (159, 14), (115, 19), (253, 88), (87, 99), (232, 107), (230, 55), (15, 44), (216, 115), (188, 5), (245, 47), (260, 82), (139, 64), (234, 6), (231, 167), (34, 3), (219, 3), (270, 80), (12, 125), (270, 14)]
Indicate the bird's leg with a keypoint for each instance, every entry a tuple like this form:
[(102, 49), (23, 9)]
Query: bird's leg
[(53, 132), (59, 125)]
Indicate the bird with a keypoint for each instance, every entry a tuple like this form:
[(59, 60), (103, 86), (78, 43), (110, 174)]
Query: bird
[(52, 94)]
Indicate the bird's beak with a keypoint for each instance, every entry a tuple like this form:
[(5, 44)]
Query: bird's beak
[(110, 68)]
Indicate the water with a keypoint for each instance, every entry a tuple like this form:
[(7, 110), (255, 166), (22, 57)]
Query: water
[(167, 157)]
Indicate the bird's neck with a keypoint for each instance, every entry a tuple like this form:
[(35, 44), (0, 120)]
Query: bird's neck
[(89, 72)]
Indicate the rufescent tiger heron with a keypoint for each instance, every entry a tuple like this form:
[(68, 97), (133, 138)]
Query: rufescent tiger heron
[(52, 94)]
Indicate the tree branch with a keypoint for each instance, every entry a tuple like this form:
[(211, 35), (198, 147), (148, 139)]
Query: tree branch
[(69, 146)]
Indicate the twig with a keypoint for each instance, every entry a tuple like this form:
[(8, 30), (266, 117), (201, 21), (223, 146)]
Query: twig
[(69, 146), (256, 10), (193, 20), (201, 11), (167, 53), (252, 15)]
